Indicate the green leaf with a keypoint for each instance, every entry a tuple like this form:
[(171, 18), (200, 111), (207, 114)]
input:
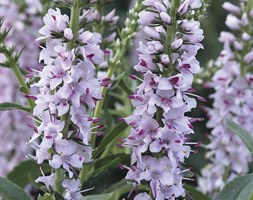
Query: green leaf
[(238, 189), (104, 168), (119, 188), (13, 106), (245, 136), (11, 191), (109, 162), (246, 192), (23, 89), (195, 194), (102, 164), (26, 172), (110, 137), (108, 196), (124, 86)]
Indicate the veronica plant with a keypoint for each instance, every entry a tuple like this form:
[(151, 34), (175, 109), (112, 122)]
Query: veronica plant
[(160, 128)]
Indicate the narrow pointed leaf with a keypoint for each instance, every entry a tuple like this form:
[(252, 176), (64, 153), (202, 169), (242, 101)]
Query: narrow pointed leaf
[(26, 172), (110, 137), (245, 136), (238, 189), (13, 106), (124, 86), (11, 191), (108, 196), (195, 194)]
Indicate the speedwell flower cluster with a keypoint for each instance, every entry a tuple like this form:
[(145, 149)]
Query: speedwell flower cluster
[(160, 127), (68, 92), (233, 99)]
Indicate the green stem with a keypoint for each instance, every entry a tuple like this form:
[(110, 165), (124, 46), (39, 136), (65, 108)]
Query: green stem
[(99, 105), (74, 26), (20, 78), (74, 22), (171, 34), (85, 173), (58, 179)]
